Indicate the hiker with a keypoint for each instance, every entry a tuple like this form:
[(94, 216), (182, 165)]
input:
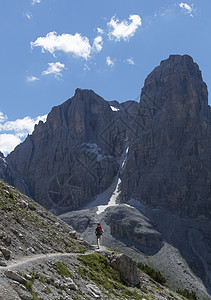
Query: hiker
[(99, 231)]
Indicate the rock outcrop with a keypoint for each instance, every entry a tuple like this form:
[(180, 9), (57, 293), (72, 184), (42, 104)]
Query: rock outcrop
[(128, 225), (126, 267), (73, 156), (169, 161)]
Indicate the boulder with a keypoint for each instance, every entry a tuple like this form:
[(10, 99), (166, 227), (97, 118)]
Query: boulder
[(126, 267), (14, 276), (6, 252), (69, 283), (94, 291), (2, 260)]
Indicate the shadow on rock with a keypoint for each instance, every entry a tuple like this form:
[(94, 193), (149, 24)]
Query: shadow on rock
[(133, 229)]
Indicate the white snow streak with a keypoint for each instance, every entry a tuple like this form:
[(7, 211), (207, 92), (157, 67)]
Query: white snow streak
[(110, 196), (114, 108)]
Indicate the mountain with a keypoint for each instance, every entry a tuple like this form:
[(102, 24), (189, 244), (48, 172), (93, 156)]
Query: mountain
[(169, 161), (141, 169), (73, 156), (41, 257)]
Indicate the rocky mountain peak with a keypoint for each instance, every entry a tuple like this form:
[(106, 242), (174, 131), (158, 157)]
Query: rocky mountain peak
[(74, 155), (176, 85), (82, 94), (179, 64), (172, 148)]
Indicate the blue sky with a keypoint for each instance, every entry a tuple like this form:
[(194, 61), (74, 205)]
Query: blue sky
[(51, 47)]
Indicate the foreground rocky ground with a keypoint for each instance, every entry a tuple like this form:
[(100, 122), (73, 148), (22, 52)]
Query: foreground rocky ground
[(43, 258)]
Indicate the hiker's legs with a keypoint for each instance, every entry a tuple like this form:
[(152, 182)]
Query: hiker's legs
[(98, 241)]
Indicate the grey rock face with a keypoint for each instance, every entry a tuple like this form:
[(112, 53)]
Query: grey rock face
[(126, 267), (73, 156), (14, 276), (9, 176), (5, 172), (126, 223), (169, 161)]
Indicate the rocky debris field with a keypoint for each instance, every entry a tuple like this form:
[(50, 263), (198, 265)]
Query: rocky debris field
[(154, 236)]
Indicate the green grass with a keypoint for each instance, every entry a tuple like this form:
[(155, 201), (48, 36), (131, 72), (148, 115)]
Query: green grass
[(62, 269), (187, 294), (154, 274), (104, 276)]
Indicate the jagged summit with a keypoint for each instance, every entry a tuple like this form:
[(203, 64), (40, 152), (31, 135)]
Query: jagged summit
[(180, 63), (74, 155), (177, 81), (79, 92)]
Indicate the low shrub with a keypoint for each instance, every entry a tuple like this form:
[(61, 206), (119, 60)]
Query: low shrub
[(154, 274), (187, 294)]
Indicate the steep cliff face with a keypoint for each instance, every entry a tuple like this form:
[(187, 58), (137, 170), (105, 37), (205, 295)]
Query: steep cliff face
[(5, 172), (73, 156), (169, 161)]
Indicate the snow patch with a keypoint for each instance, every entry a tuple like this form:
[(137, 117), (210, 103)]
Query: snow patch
[(4, 161), (114, 108), (112, 201), (110, 196)]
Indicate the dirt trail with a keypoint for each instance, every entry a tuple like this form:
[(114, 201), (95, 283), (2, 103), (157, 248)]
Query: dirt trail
[(39, 257)]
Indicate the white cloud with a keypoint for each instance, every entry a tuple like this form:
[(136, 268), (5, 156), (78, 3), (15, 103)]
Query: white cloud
[(68, 43), (28, 15), (32, 78), (54, 68), (8, 142), (188, 9), (130, 61), (14, 132), (86, 68), (3, 117), (123, 30), (22, 126), (35, 2), (98, 43), (109, 61), (100, 30)]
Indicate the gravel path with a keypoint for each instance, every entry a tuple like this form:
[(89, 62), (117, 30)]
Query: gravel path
[(24, 261)]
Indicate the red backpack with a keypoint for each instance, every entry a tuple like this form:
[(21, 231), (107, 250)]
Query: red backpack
[(99, 230)]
